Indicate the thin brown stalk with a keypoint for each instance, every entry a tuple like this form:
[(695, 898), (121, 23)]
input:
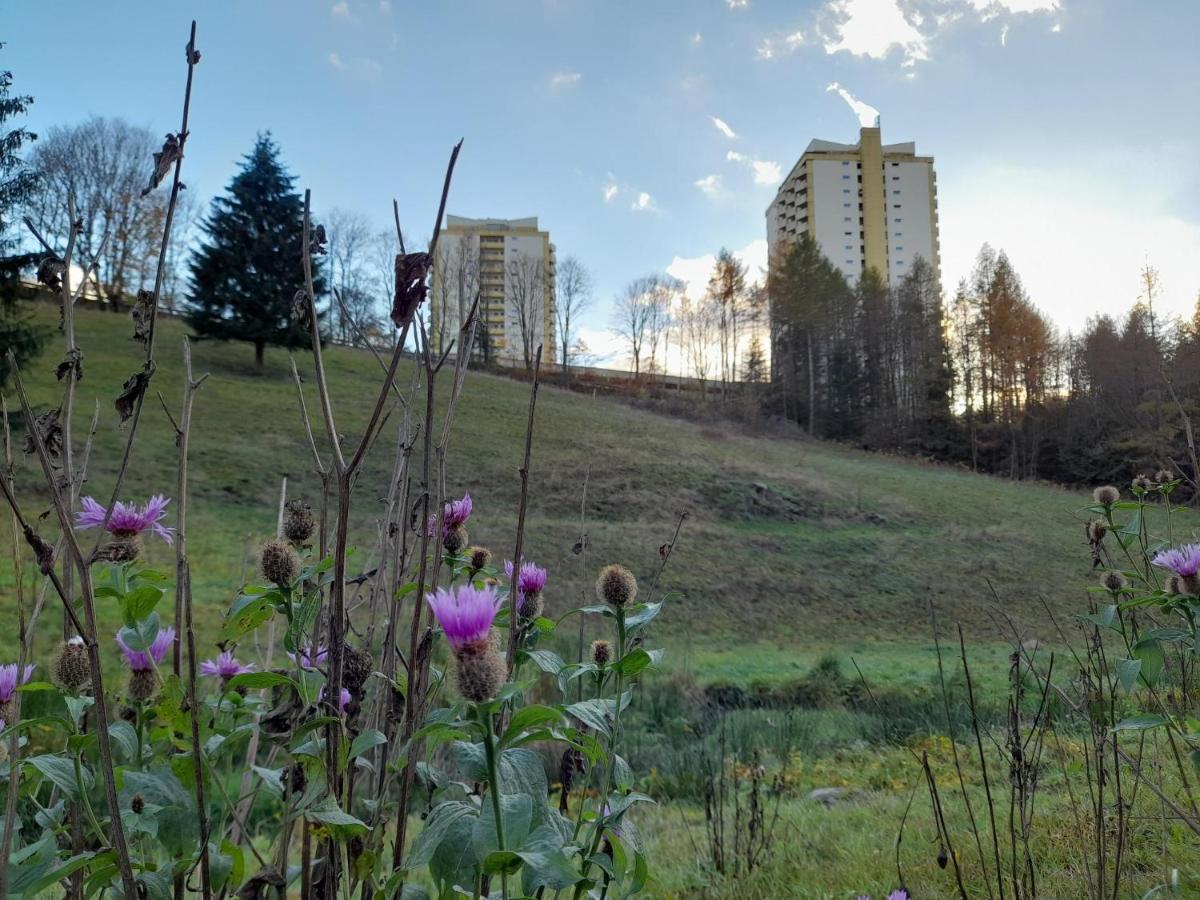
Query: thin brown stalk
[(514, 595)]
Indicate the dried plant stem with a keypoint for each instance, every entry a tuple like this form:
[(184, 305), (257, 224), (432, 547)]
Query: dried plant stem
[(513, 595), (983, 768)]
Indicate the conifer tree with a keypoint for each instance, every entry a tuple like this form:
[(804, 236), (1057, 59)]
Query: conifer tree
[(246, 274), (17, 183)]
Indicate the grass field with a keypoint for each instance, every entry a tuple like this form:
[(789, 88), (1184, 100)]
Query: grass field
[(792, 552)]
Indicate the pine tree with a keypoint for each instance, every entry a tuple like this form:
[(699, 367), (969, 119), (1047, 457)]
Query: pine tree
[(246, 274), (754, 368), (17, 184)]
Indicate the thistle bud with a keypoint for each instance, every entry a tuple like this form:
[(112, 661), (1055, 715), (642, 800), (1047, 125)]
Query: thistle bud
[(480, 671), (123, 550), (1142, 483), (601, 652), (1096, 530), (71, 669), (942, 858), (530, 605), (298, 522), (357, 666), (138, 803), (616, 586), (480, 558), (1113, 581), (279, 563), (1163, 477), (142, 684), (454, 539), (1106, 495), (1173, 585)]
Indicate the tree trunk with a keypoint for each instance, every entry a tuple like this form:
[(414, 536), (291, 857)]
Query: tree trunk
[(812, 390), (258, 353)]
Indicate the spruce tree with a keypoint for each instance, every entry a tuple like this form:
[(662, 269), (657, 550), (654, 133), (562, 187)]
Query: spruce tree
[(246, 273), (17, 184)]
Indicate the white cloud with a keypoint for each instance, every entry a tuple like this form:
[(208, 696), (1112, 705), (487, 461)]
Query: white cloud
[(874, 28), (709, 184), (765, 171), (1004, 36), (723, 128), (1057, 27), (336, 61), (385, 7), (868, 116), (1113, 230), (610, 192), (772, 47), (737, 4), (341, 10), (643, 202), (697, 39), (766, 50), (1016, 6), (694, 271), (564, 80)]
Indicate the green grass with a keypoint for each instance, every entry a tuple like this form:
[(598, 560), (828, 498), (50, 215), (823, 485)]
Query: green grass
[(845, 556)]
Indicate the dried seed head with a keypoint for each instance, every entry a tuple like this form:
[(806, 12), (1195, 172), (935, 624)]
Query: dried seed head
[(357, 666), (530, 606), (942, 858), (616, 586), (297, 781), (480, 557), (1106, 495), (298, 522), (1173, 585), (455, 539), (138, 803), (142, 684), (601, 652), (569, 767), (120, 551), (71, 668), (279, 563), (1114, 581), (1142, 483), (1189, 584), (1163, 476), (1096, 530), (480, 671), (8, 711)]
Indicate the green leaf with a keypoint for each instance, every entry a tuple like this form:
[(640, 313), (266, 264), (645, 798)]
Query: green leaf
[(246, 619), (62, 772), (340, 823), (272, 778), (1150, 652), (1127, 673), (366, 741), (596, 714), (502, 862), (142, 633), (529, 717), (255, 680), (139, 603), (1105, 617), (1141, 723), (546, 660), (636, 660), (437, 826), (125, 737), (302, 623), (516, 811), (64, 869), (641, 614), (546, 865)]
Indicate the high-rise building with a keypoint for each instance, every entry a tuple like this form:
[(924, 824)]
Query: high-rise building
[(510, 263), (867, 205)]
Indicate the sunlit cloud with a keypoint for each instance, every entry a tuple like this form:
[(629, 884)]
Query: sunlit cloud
[(773, 47), (643, 202), (723, 128), (709, 184), (561, 80), (868, 116), (766, 172), (737, 4), (873, 28)]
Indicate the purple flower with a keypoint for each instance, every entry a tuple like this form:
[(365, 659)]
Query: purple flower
[(530, 580), (899, 894), (224, 666), (1183, 561), (127, 520), (145, 660), (343, 699), (308, 658), (9, 682), (465, 612), (454, 513)]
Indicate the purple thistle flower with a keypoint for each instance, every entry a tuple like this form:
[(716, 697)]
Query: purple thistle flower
[(225, 666), (899, 894), (9, 682), (145, 660), (454, 513), (343, 699), (530, 580), (1183, 561), (308, 658), (465, 612), (128, 520)]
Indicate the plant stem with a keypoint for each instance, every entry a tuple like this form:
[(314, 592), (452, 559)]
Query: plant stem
[(489, 748)]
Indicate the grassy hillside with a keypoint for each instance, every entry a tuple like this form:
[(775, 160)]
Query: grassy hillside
[(790, 549)]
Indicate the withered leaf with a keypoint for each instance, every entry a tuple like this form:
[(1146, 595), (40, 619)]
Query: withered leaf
[(49, 428), (41, 549), (302, 309), (580, 545), (142, 313), (262, 884), (171, 152), (411, 288), (50, 272), (135, 385), (72, 362), (319, 239)]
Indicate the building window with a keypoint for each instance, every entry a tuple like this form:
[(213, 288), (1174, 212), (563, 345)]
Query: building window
[(897, 221), (895, 206), (847, 219), (845, 162), (848, 233), (847, 205), (896, 193), (845, 177), (899, 249), (845, 190)]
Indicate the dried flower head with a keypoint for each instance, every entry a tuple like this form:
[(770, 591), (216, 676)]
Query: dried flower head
[(1173, 585), (616, 586), (225, 667), (1096, 530), (481, 558), (71, 669), (602, 653), (128, 520), (1114, 581), (298, 522), (142, 684), (465, 613), (1142, 483), (480, 672), (1183, 560), (357, 666), (1106, 495), (137, 803), (121, 551), (279, 563), (454, 539), (1163, 477)]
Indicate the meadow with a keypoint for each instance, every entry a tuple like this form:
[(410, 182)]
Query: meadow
[(806, 582)]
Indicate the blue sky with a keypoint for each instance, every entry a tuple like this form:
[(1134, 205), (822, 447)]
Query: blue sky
[(1064, 130)]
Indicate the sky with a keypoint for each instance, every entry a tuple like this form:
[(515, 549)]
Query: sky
[(647, 134)]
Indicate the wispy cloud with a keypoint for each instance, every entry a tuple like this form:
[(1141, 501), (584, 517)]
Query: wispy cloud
[(868, 116), (691, 82), (737, 4), (336, 61), (341, 10), (722, 127), (611, 189), (765, 171), (697, 39), (362, 65), (780, 45), (1016, 6), (561, 80), (385, 7), (643, 202), (709, 184)]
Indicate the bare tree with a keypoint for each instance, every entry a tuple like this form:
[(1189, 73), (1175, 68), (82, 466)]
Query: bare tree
[(525, 287), (349, 238), (573, 282), (103, 164), (455, 287), (698, 328), (660, 301), (727, 288), (632, 314)]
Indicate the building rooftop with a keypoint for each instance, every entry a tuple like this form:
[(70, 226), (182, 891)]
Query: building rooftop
[(819, 146), (491, 224)]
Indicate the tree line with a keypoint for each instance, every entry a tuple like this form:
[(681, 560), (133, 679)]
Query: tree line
[(984, 380)]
